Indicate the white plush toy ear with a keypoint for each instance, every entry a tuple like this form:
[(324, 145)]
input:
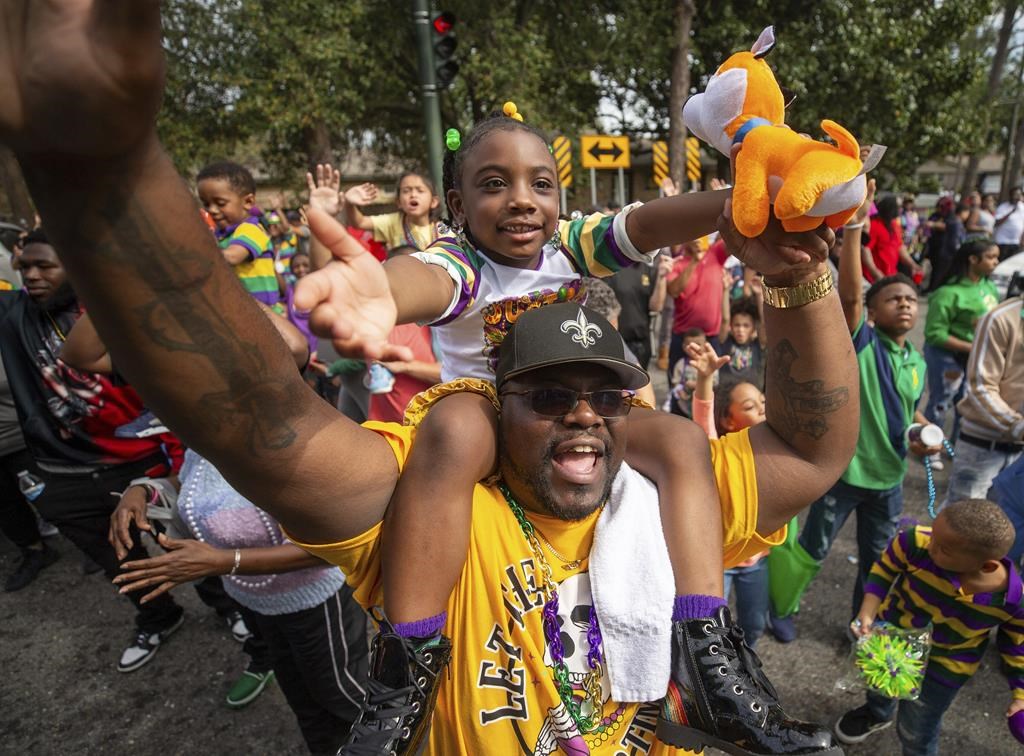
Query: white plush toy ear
[(765, 42)]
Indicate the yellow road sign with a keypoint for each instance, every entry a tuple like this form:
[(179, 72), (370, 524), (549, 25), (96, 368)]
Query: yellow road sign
[(693, 159), (602, 151), (659, 161), (561, 148)]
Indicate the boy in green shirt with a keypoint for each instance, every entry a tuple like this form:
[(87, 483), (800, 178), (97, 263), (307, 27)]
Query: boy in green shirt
[(892, 374)]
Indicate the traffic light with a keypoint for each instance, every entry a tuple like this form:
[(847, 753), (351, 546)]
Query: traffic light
[(445, 67)]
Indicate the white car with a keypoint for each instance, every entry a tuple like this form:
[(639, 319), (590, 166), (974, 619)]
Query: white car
[(1009, 271)]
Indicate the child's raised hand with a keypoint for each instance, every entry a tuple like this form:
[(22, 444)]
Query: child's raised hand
[(324, 191), (362, 195), (704, 359), (349, 298)]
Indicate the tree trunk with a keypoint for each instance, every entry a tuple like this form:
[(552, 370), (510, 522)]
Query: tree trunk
[(12, 185), (679, 90), (995, 78), (318, 144), (1013, 175)]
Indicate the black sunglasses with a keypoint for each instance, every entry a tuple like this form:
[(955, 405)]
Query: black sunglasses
[(559, 402)]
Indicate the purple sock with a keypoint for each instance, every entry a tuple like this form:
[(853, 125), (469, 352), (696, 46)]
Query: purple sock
[(694, 606), (423, 628)]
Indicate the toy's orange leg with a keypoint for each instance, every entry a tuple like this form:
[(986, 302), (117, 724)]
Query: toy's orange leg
[(803, 223), (750, 203), (842, 217), (809, 177)]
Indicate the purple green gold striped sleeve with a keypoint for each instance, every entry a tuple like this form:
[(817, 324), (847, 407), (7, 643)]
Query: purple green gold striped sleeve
[(462, 266), (892, 562), (1010, 641), (250, 237), (599, 245)]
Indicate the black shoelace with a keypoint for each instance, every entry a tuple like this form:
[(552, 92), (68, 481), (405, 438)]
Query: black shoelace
[(734, 647)]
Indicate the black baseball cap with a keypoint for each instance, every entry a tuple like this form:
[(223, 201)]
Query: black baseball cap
[(564, 333)]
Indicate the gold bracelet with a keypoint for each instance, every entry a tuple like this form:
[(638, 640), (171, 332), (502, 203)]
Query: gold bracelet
[(785, 297)]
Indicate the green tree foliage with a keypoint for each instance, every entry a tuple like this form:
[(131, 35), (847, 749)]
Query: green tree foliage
[(296, 80), (894, 72)]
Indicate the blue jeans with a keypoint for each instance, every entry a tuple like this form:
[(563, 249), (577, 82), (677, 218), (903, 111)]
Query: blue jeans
[(878, 514), (751, 597), (918, 722), (945, 385)]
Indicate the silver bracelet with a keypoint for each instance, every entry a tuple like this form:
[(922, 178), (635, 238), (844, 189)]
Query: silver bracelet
[(854, 226), (238, 560)]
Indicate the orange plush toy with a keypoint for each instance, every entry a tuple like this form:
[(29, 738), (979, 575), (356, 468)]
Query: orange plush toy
[(808, 182)]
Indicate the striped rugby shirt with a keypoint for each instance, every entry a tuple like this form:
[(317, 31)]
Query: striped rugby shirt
[(489, 297), (257, 273), (916, 591)]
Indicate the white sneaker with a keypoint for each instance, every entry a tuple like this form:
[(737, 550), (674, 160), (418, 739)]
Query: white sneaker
[(144, 647), (239, 630)]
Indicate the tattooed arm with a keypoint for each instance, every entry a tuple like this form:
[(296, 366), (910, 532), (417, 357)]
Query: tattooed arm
[(171, 311), (812, 392)]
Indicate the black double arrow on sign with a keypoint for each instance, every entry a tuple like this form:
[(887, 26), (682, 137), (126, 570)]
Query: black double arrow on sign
[(597, 152)]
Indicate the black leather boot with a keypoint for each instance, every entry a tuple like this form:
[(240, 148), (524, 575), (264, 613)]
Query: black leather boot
[(719, 696), (402, 690)]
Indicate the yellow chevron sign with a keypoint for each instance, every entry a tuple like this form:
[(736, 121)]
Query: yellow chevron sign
[(659, 161), (693, 159), (561, 148)]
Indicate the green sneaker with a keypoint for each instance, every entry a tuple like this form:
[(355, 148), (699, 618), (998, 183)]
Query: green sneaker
[(248, 687)]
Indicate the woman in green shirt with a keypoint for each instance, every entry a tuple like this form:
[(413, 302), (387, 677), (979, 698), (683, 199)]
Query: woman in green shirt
[(954, 307)]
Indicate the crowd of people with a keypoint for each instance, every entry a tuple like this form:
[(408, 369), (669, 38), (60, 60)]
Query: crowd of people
[(440, 417)]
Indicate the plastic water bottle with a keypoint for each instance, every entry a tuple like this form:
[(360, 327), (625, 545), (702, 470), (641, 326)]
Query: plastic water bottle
[(29, 485)]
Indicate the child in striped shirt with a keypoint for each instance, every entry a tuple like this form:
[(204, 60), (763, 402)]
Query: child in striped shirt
[(956, 576), (228, 193)]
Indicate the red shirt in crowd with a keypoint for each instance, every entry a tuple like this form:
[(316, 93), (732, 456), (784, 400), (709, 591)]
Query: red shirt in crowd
[(699, 305), (885, 248)]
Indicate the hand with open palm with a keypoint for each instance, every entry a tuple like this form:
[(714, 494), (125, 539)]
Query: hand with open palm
[(324, 190)]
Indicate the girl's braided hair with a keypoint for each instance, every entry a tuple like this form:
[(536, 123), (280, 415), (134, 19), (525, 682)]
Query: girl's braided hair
[(453, 159)]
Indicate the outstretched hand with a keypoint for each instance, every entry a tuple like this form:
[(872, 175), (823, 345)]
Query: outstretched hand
[(362, 195), (704, 359), (97, 64), (185, 560), (324, 191), (349, 298)]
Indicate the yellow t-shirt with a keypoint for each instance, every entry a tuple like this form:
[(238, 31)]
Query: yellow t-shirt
[(391, 230), (499, 695)]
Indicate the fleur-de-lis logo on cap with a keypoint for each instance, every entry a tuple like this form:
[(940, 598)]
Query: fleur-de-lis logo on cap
[(585, 332)]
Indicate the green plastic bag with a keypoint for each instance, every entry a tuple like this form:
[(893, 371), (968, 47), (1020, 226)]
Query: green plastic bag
[(790, 570)]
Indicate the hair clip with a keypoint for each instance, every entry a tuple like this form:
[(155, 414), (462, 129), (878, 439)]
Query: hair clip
[(510, 109), (452, 139)]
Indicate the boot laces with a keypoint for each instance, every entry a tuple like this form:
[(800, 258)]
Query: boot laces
[(386, 710), (734, 648)]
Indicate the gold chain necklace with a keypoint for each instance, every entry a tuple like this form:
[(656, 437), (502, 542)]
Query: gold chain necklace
[(60, 333), (569, 564)]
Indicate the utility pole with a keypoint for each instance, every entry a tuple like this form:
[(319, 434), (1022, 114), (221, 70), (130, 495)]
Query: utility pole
[(428, 89)]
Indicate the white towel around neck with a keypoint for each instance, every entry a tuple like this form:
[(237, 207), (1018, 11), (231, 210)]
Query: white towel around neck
[(633, 588)]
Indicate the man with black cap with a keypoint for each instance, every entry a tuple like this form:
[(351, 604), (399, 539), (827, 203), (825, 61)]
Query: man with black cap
[(531, 674)]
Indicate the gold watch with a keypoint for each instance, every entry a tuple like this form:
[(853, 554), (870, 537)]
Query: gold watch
[(784, 297)]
